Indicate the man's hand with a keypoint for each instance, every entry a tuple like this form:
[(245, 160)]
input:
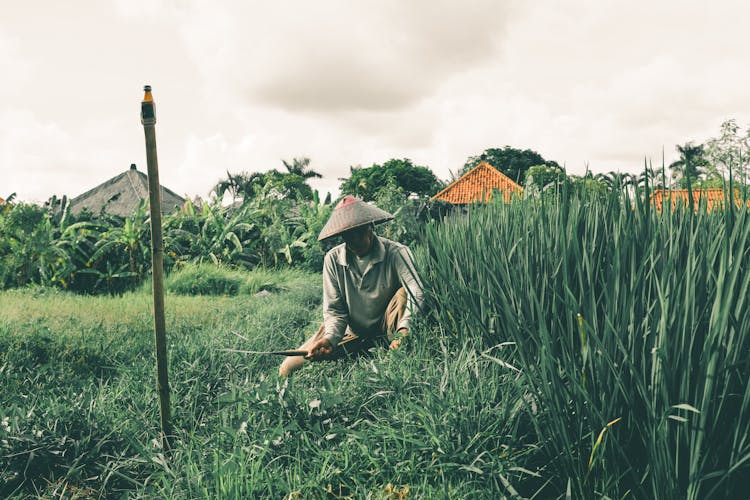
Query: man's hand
[(319, 350), (396, 343)]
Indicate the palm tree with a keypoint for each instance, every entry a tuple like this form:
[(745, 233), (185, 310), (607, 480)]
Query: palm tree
[(243, 185), (690, 165), (616, 181), (301, 167)]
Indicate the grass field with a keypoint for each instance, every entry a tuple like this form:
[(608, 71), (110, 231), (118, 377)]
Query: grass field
[(589, 347), (80, 414)]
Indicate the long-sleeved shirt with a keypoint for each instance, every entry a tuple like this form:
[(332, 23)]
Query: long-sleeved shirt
[(356, 291)]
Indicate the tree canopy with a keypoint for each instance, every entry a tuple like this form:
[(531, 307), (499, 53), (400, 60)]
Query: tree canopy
[(689, 168), (729, 153), (539, 177), (511, 161), (366, 183), (290, 184)]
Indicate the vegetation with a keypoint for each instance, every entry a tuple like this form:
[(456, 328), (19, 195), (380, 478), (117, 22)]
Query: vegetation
[(576, 342), (112, 254), (80, 417), (511, 161), (209, 279), (369, 183), (290, 184), (540, 178), (729, 153), (627, 332), (689, 167)]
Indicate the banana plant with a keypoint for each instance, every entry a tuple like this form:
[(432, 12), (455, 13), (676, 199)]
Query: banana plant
[(131, 239), (213, 233)]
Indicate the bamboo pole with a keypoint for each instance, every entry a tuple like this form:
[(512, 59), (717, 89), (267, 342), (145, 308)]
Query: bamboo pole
[(148, 119)]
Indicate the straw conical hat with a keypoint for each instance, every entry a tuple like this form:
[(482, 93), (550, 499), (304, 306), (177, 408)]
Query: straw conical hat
[(352, 212)]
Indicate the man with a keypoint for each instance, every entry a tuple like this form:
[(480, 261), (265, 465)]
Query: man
[(370, 287)]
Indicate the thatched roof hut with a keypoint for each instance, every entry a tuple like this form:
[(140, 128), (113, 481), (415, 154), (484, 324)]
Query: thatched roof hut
[(477, 185), (121, 194)]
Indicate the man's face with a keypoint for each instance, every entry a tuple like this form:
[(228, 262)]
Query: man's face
[(359, 240)]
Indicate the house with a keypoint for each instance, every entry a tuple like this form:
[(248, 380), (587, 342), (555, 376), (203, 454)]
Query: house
[(478, 185), (121, 195), (713, 198)]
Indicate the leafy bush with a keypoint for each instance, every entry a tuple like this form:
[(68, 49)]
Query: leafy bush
[(108, 254), (204, 279), (211, 279), (410, 214)]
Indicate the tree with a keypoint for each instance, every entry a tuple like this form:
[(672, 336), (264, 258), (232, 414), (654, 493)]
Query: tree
[(540, 178), (729, 154), (243, 186), (688, 169), (301, 167), (287, 185), (588, 184), (366, 183), (511, 161), (290, 184), (617, 181)]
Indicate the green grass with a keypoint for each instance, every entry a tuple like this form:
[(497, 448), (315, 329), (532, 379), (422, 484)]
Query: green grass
[(584, 345), (77, 385), (616, 314)]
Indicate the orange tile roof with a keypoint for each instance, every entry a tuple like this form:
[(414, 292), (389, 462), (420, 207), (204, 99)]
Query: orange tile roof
[(477, 185), (714, 197)]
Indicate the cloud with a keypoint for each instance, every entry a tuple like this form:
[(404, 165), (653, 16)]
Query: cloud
[(605, 83), (24, 147), (152, 9), (337, 55), (241, 85), (41, 157), (17, 70)]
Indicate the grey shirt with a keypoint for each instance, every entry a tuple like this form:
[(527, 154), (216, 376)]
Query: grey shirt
[(357, 297)]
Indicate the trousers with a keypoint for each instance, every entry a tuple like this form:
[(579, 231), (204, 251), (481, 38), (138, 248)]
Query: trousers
[(352, 343)]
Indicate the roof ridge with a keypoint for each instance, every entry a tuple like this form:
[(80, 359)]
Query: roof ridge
[(120, 194), (136, 184), (98, 187), (497, 180)]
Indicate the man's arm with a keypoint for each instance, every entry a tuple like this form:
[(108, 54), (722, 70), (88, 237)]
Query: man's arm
[(335, 313), (335, 310)]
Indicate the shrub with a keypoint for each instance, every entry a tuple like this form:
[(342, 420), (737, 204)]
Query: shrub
[(204, 279)]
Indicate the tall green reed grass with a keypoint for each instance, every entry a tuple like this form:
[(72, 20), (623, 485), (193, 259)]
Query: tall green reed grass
[(629, 328)]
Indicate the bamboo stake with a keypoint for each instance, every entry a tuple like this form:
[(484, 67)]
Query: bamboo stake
[(291, 352), (148, 119)]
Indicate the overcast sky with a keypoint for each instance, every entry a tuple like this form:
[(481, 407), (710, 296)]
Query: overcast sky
[(241, 85)]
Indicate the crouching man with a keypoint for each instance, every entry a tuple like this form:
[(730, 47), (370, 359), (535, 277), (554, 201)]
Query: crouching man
[(370, 288)]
